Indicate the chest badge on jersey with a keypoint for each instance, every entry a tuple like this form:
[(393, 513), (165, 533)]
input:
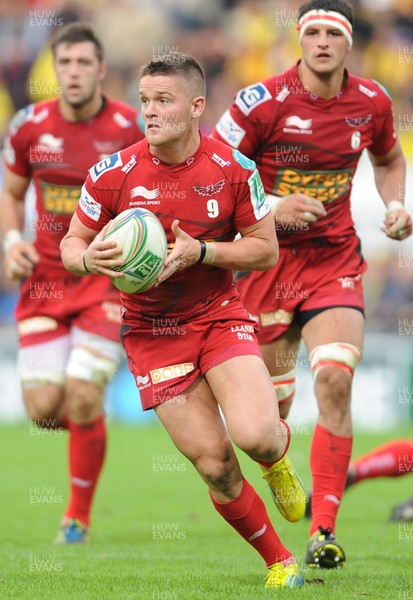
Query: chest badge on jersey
[(209, 190), (358, 121)]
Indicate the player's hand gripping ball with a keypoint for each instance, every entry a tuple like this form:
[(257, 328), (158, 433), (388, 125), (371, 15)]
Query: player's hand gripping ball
[(144, 248)]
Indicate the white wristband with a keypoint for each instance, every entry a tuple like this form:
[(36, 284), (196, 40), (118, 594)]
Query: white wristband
[(274, 202), (13, 236), (210, 252), (394, 205)]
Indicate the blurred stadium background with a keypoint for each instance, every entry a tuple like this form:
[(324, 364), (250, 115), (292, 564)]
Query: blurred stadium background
[(237, 42)]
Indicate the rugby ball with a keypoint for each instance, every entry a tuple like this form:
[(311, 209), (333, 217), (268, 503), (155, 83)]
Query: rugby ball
[(144, 247)]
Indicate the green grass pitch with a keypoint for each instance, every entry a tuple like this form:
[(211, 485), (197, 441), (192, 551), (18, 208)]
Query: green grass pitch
[(156, 536)]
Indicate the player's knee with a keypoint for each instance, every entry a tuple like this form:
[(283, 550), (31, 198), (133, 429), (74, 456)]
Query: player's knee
[(43, 404), (84, 400), (260, 442), (336, 383), (333, 391), (219, 471)]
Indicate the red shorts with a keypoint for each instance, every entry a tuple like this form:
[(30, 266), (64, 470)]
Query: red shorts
[(166, 355), (308, 276), (53, 300)]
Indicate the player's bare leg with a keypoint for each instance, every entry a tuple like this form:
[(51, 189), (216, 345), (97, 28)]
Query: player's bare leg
[(74, 403), (91, 365), (246, 396), (194, 424), (334, 339), (45, 405), (280, 359), (87, 446)]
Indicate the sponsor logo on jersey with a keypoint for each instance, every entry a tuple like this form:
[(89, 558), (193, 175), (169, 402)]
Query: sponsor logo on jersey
[(107, 164), (209, 190), (246, 163), (143, 382), (276, 317), (89, 206), (325, 186), (358, 121), (36, 325), (257, 196), (121, 120), (141, 190), (22, 116), (367, 92), (251, 97), (171, 372), (285, 92), (229, 130), (130, 164), (221, 161), (60, 199), (294, 124), (349, 282), (49, 143)]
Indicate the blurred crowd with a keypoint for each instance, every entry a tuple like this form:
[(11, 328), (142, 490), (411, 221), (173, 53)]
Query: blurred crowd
[(237, 42)]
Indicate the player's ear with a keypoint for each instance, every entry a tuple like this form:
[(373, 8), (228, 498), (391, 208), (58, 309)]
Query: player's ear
[(198, 105), (103, 69)]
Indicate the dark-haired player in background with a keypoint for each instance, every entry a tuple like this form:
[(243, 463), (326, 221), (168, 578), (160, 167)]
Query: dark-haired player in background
[(203, 193), (68, 326), (306, 130)]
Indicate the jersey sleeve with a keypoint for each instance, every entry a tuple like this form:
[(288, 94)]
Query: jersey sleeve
[(17, 143), (241, 126), (250, 200), (385, 132)]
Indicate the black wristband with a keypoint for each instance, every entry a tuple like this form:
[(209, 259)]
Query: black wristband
[(84, 263), (203, 251)]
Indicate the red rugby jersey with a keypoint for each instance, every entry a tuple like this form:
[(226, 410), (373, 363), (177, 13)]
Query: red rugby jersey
[(302, 143), (214, 193), (56, 154)]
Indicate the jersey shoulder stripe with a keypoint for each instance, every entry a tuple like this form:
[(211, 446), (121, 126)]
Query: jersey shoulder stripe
[(123, 115), (377, 95), (32, 113)]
